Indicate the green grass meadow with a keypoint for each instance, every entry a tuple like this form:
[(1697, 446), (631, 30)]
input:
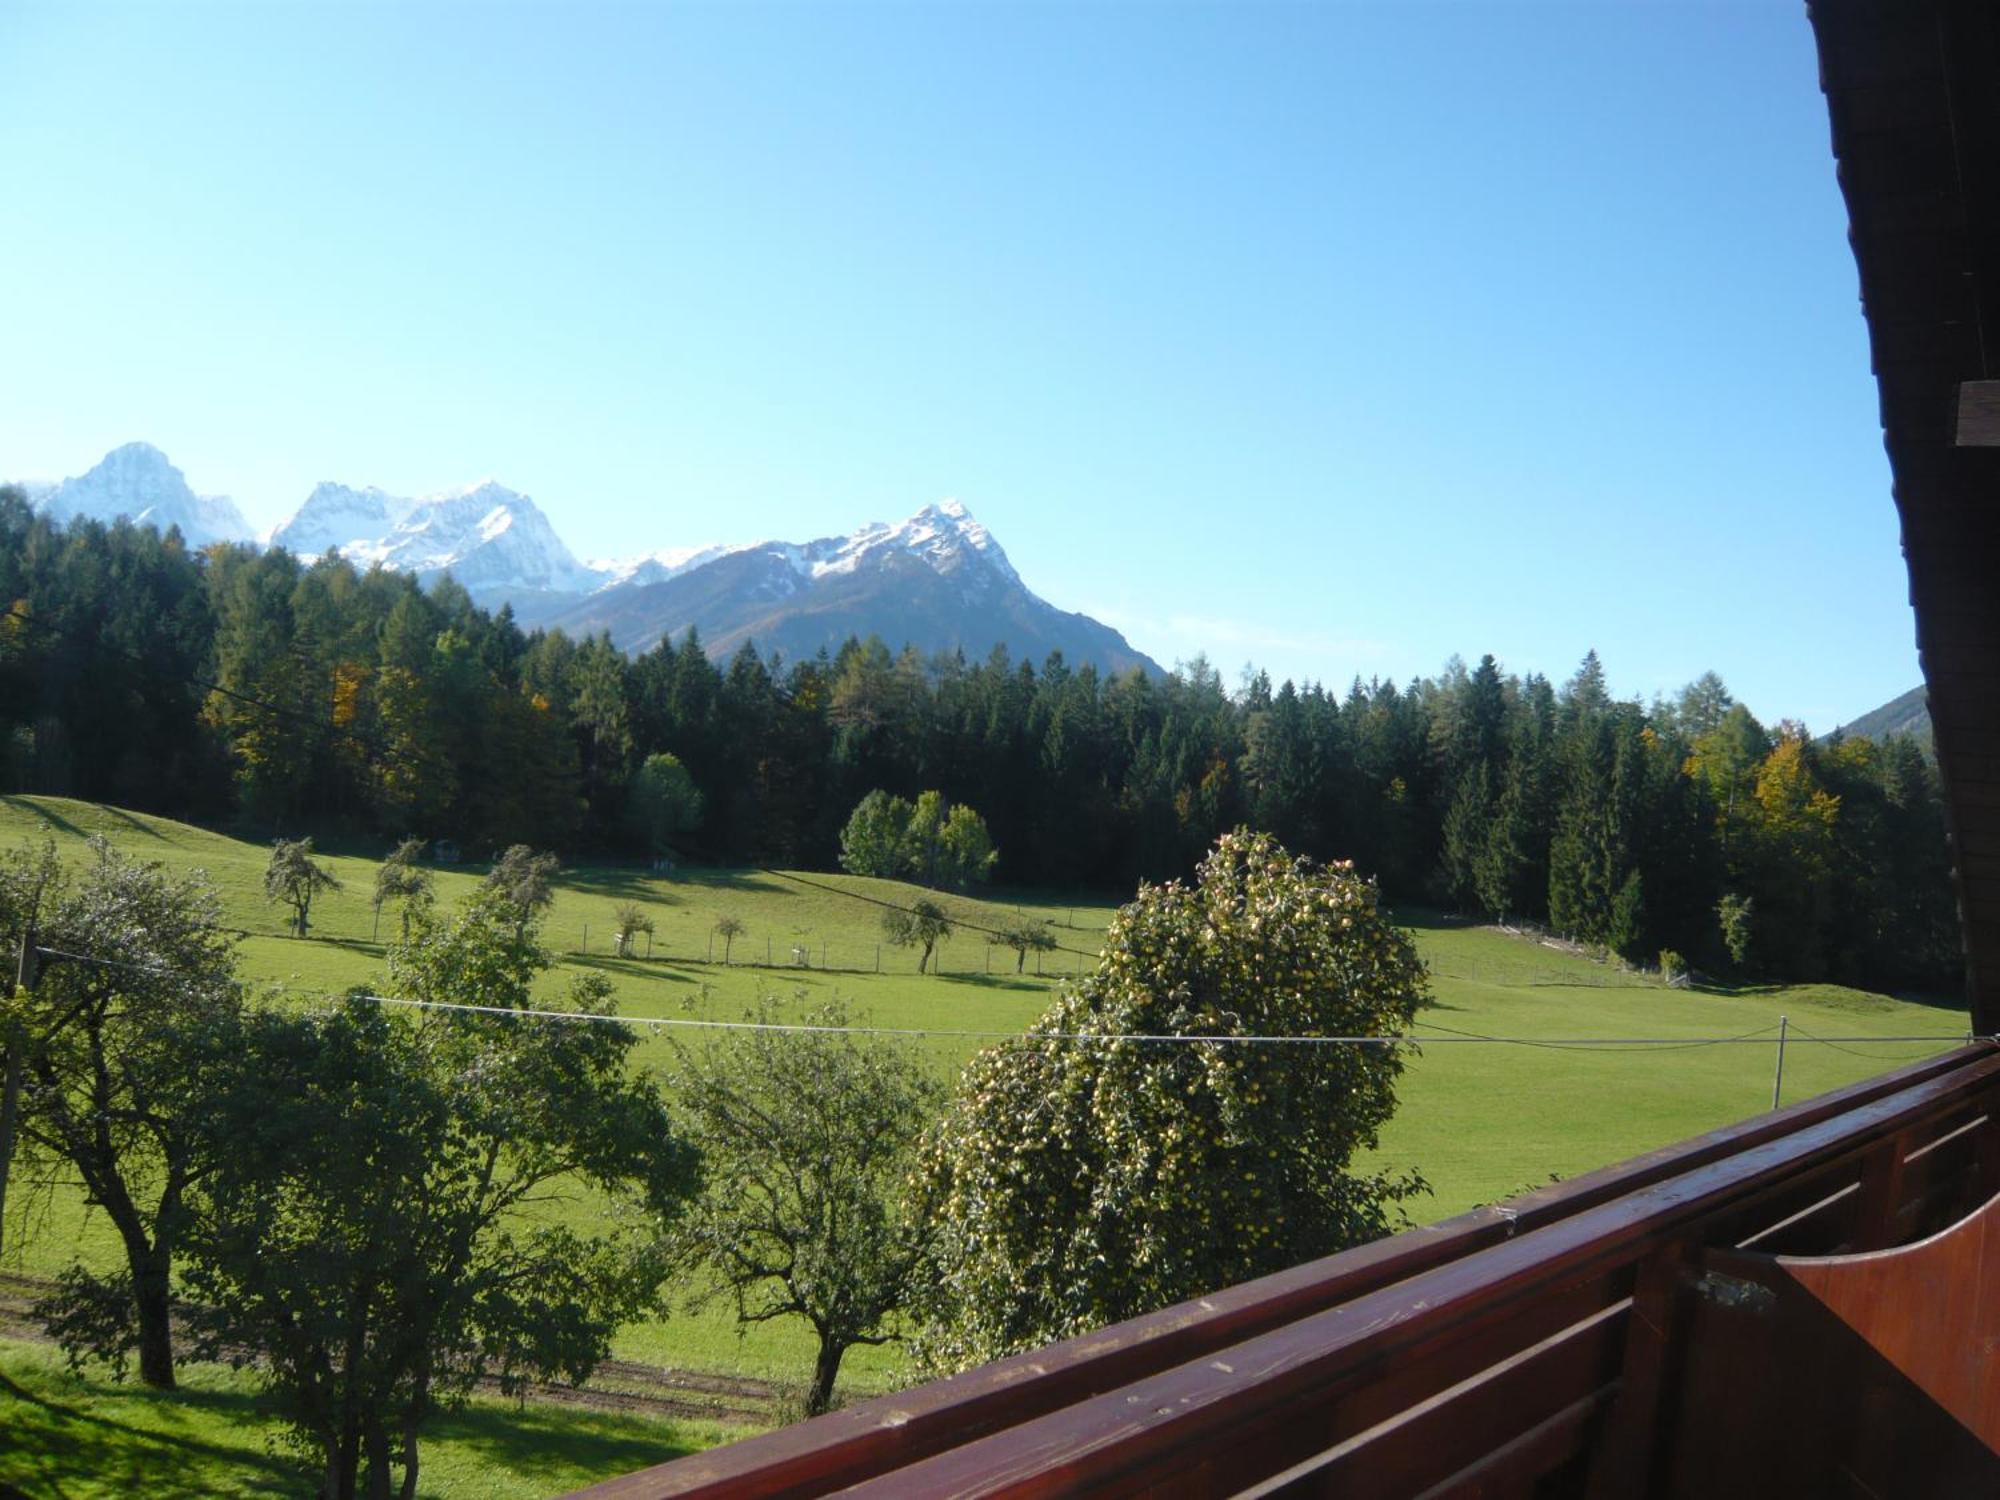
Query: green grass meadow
[(1478, 1121), (84, 1438)]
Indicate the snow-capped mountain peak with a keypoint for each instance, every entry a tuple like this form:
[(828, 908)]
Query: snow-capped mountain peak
[(138, 481), (943, 535), (490, 538), (937, 580), (339, 516)]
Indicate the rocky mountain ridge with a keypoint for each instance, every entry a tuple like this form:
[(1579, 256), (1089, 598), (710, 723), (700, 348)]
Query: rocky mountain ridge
[(938, 580)]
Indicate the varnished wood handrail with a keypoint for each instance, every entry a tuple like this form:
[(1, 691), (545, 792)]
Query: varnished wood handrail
[(1102, 1444), (893, 1432)]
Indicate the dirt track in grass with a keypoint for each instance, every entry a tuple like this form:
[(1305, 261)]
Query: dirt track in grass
[(619, 1385)]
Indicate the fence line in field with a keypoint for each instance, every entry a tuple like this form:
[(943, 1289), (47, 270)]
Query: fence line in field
[(1439, 1034)]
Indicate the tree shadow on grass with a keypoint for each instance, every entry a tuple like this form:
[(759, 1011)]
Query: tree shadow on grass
[(562, 1448), (130, 822), (662, 888), (367, 947), (1427, 919), (1953, 1005), (33, 810), (642, 886), (658, 969), (51, 1449), (733, 882), (1023, 982)]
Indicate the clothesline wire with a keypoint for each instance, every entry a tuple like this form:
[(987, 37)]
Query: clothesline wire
[(1448, 1035)]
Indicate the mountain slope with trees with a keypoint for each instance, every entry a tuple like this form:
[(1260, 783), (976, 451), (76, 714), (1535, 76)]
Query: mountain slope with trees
[(939, 579), (246, 688), (1906, 713)]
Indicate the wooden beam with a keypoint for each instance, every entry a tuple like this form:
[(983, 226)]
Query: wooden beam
[(1979, 414)]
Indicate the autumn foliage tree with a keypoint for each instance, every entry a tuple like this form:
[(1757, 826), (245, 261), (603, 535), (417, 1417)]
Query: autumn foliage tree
[(1079, 1182)]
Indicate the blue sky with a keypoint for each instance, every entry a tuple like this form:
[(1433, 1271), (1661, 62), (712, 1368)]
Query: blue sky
[(1336, 338)]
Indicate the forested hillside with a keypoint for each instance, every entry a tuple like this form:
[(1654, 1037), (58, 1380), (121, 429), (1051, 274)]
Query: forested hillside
[(245, 689), (1906, 713)]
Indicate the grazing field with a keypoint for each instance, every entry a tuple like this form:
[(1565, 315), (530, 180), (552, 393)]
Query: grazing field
[(84, 1438), (1478, 1120)]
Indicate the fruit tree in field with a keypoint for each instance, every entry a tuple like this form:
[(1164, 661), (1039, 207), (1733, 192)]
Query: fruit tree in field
[(1079, 1181)]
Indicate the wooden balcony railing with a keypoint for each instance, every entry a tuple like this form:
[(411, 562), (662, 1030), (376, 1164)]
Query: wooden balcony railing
[(1544, 1346)]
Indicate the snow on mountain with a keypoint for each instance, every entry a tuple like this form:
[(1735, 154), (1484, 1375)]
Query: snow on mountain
[(655, 567), (490, 538), (945, 536), (138, 482), (938, 581), (336, 515)]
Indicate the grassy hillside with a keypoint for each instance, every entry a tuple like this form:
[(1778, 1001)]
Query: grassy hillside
[(1482, 1121), (1478, 1121)]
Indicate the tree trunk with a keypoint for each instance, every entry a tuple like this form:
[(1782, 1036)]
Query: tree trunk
[(924, 958), (156, 1336), (343, 1461), (826, 1368), (1020, 960), (378, 1459), (410, 1462), (414, 1412)]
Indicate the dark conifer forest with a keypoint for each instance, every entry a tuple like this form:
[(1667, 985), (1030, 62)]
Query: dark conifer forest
[(247, 690)]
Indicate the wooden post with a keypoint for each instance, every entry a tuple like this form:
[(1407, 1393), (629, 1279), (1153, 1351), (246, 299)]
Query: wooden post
[(1778, 1079), (1881, 1193), (1635, 1436), (878, 958), (586, 938)]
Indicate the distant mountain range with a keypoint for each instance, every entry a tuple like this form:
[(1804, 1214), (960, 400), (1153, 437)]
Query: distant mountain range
[(938, 581), (1910, 713), (137, 482)]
